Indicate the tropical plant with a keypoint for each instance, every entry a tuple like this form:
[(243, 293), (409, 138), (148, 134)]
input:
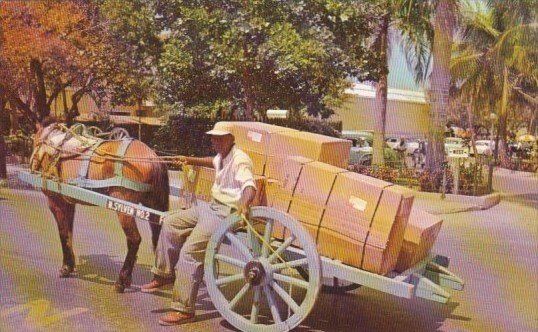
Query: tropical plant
[(410, 20), (496, 62)]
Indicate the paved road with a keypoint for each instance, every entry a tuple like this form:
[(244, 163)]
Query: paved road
[(494, 251)]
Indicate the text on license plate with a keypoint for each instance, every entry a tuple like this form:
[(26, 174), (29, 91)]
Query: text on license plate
[(128, 210)]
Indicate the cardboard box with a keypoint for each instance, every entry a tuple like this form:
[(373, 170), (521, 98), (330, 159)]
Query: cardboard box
[(386, 234), (204, 182), (338, 246), (280, 188), (315, 183), (352, 203), (419, 237), (330, 150), (254, 138)]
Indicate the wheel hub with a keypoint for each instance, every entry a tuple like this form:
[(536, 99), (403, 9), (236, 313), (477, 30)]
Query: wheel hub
[(254, 273)]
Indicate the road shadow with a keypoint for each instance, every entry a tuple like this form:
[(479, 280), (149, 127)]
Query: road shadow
[(529, 199), (105, 269), (369, 310)]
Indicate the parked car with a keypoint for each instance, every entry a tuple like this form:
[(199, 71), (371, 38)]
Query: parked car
[(411, 146), (361, 152), (392, 142)]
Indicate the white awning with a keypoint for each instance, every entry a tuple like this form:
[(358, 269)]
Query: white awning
[(368, 91)]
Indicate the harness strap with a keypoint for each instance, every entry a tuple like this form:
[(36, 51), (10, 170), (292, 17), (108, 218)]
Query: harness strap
[(122, 149), (118, 180), (85, 165)]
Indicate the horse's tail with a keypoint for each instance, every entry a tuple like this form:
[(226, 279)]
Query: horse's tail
[(161, 187)]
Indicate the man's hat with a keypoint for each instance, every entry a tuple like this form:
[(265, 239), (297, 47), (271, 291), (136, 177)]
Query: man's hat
[(221, 128)]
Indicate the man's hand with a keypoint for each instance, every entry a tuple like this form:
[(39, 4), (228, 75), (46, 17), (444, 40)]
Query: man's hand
[(180, 161), (244, 211)]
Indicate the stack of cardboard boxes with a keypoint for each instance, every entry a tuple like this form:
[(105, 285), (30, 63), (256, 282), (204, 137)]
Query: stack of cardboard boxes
[(356, 219), (420, 235), (353, 218)]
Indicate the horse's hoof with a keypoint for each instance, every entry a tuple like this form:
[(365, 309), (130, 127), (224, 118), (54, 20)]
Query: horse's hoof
[(119, 288), (65, 271)]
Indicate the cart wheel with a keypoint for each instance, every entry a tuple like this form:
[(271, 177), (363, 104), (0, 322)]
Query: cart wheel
[(118, 133), (332, 285), (251, 284)]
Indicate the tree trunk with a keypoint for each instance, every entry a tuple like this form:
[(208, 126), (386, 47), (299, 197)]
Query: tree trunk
[(3, 149), (42, 107), (381, 88), (440, 82), (503, 148), (249, 97)]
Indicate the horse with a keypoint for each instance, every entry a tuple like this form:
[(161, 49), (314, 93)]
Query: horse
[(61, 154)]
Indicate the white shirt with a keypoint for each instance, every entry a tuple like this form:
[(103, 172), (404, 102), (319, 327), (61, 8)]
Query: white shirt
[(232, 176)]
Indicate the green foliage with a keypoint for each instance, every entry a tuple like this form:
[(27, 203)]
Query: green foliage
[(185, 134), (264, 54), (135, 48)]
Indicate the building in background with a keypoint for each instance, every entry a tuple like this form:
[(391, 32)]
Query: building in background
[(407, 104), (407, 111), (119, 115)]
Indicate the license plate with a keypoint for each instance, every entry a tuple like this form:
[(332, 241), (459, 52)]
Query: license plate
[(128, 210)]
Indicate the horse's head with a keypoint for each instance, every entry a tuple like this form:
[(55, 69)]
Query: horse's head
[(43, 131)]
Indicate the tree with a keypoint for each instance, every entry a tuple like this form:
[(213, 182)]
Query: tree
[(443, 24), (133, 29), (411, 18), (256, 55), (48, 46), (495, 64)]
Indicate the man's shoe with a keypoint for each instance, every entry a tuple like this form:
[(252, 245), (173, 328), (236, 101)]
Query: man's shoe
[(155, 284), (176, 318)]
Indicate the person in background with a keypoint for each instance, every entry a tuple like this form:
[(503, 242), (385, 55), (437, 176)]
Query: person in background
[(401, 148)]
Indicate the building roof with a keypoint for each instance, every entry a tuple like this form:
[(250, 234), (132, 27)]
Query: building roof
[(368, 91), (126, 120)]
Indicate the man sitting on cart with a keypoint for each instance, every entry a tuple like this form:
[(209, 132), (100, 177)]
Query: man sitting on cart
[(185, 234)]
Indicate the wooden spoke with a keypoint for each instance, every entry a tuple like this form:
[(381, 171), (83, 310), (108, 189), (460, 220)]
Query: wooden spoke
[(230, 260), (286, 297), (255, 306), (290, 280), (267, 237), (281, 249), (272, 304), (239, 245), (239, 296), (291, 264), (229, 279)]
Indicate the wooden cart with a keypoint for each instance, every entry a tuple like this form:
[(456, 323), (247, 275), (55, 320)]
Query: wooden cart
[(261, 281)]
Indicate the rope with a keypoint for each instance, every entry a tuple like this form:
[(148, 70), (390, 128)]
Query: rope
[(113, 157)]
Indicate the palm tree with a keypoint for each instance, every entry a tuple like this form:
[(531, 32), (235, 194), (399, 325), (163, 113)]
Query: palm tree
[(444, 23), (411, 18), (495, 63)]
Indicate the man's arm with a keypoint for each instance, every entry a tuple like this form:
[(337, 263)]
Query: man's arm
[(247, 197)]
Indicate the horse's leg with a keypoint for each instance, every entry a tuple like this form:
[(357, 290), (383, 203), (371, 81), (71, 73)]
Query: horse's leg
[(64, 214), (133, 242)]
